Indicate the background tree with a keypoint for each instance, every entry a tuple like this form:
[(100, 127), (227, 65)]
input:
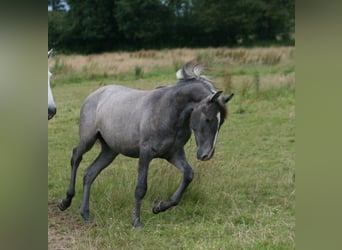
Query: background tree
[(143, 23), (57, 24), (92, 26)]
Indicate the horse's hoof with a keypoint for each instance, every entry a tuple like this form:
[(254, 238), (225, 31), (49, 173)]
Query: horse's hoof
[(87, 218), (137, 224), (62, 206), (156, 209), (88, 221)]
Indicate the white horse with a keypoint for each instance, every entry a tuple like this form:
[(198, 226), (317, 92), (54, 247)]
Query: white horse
[(51, 104)]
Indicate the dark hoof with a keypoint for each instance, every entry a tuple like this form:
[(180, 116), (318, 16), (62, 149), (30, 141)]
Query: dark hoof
[(62, 206), (88, 221), (87, 218), (137, 224), (156, 209)]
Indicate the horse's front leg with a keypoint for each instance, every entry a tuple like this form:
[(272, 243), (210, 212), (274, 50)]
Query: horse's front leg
[(140, 189), (180, 161)]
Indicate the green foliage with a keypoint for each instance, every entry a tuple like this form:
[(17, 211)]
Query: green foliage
[(91, 26), (94, 26), (57, 24), (141, 21), (256, 77), (138, 72)]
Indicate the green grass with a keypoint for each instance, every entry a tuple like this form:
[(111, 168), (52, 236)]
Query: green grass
[(243, 198)]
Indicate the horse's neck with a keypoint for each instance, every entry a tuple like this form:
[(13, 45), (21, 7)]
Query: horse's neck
[(189, 93), (183, 99)]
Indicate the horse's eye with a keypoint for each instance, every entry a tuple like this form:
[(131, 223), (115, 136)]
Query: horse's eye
[(207, 120)]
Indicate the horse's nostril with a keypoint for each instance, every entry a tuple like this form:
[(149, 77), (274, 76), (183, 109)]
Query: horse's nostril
[(203, 157)]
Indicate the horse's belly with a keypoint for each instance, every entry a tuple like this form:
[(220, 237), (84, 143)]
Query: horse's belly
[(128, 152), (122, 143)]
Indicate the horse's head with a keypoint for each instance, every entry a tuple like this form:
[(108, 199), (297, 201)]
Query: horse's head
[(206, 120), (51, 104)]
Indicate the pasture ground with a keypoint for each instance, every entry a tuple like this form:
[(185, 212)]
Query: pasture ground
[(243, 198)]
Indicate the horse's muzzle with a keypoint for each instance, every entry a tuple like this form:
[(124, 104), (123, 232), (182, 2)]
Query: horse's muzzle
[(202, 156), (51, 112)]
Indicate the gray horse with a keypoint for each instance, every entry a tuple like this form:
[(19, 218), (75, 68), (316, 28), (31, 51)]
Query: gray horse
[(147, 125)]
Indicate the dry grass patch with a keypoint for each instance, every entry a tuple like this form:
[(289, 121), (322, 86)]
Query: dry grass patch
[(170, 59)]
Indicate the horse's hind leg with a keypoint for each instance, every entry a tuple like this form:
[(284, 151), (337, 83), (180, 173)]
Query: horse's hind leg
[(105, 157), (179, 160), (83, 147)]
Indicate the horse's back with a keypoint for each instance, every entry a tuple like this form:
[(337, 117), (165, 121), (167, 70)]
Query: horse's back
[(107, 97), (115, 101)]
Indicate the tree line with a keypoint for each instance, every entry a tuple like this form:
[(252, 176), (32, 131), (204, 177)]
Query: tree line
[(92, 26)]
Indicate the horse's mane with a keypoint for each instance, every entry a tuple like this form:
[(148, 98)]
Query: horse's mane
[(192, 70)]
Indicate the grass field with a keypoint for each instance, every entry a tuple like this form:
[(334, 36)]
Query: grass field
[(243, 198)]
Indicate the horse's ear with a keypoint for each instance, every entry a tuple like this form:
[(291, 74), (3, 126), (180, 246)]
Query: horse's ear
[(49, 53), (214, 97), (227, 98)]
